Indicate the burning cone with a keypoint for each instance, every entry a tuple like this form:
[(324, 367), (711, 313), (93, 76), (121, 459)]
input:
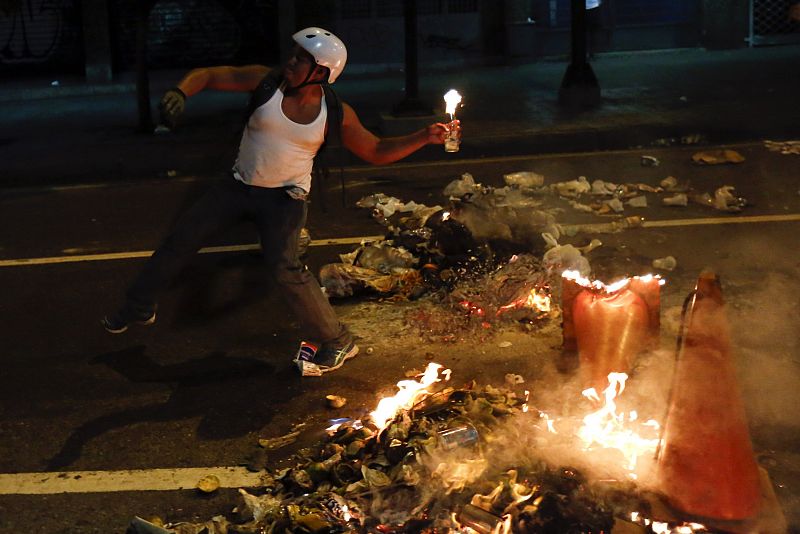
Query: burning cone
[(706, 466), (609, 325)]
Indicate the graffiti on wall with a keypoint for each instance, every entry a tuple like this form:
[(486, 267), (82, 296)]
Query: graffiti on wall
[(32, 33)]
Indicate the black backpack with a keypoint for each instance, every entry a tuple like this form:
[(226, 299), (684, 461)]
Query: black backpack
[(330, 153)]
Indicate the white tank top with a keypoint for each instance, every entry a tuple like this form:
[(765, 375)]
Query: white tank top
[(276, 151)]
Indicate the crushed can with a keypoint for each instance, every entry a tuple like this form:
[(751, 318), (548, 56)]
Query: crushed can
[(460, 436), (479, 520)]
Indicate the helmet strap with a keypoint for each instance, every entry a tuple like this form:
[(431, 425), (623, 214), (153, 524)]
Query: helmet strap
[(304, 83)]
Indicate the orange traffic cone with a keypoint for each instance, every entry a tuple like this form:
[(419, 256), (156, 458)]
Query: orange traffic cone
[(611, 330), (706, 466)]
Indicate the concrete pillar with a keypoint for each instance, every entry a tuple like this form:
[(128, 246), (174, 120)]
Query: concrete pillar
[(96, 41)]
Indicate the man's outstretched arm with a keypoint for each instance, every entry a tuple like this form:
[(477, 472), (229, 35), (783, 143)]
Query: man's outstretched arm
[(221, 78), (380, 151)]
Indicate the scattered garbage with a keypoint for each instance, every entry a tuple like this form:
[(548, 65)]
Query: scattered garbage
[(208, 484), (572, 188), (566, 258), (599, 187), (335, 401), (616, 205), (671, 184), (650, 161), (524, 179), (681, 199), (462, 187), (439, 462), (724, 200), (282, 441), (784, 147), (717, 157), (638, 202), (593, 244), (504, 344), (665, 264), (514, 380)]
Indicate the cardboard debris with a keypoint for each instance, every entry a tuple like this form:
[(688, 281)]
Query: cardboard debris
[(717, 157)]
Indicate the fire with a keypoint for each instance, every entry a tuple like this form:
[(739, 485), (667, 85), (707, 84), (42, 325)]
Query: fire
[(660, 527), (537, 299), (609, 429), (410, 392), (576, 277), (452, 98)]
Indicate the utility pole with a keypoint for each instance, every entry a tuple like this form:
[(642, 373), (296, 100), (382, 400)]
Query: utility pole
[(579, 88), (411, 105)]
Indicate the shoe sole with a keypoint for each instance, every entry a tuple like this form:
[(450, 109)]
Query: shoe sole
[(350, 355), (148, 322)]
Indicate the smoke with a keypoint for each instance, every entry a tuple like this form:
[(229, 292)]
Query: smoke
[(765, 321)]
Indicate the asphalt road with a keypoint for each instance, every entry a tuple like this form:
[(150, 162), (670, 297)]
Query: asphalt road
[(214, 375)]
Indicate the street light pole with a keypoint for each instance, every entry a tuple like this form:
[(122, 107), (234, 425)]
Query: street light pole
[(411, 105), (579, 88)]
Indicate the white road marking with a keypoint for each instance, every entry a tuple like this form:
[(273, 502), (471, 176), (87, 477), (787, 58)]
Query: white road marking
[(146, 253), (737, 219), (127, 480)]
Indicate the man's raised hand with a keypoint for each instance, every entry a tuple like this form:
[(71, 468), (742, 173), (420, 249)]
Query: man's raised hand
[(171, 106)]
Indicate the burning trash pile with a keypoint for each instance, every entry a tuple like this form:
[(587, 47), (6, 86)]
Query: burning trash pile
[(517, 292), (432, 458), (467, 257), (428, 248)]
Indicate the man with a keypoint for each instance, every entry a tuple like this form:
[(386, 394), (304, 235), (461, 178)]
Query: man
[(271, 179)]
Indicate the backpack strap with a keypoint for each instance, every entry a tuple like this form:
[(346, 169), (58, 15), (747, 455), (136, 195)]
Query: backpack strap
[(263, 92), (330, 153)]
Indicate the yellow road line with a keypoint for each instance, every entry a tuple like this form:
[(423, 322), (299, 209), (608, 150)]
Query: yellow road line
[(737, 219), (126, 480), (668, 223), (146, 253)]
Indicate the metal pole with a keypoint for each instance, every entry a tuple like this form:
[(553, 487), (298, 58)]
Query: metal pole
[(579, 88), (411, 106)]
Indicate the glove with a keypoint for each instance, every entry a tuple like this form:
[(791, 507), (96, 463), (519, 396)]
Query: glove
[(171, 106)]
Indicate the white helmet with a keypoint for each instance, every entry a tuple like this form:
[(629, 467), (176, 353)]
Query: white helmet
[(327, 49)]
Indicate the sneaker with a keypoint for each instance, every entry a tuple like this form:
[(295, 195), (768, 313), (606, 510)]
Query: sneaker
[(326, 360), (119, 322)]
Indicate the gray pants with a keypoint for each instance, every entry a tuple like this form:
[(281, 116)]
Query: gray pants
[(279, 219)]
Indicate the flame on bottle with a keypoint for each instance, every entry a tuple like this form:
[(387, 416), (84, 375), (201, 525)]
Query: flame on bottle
[(452, 99)]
